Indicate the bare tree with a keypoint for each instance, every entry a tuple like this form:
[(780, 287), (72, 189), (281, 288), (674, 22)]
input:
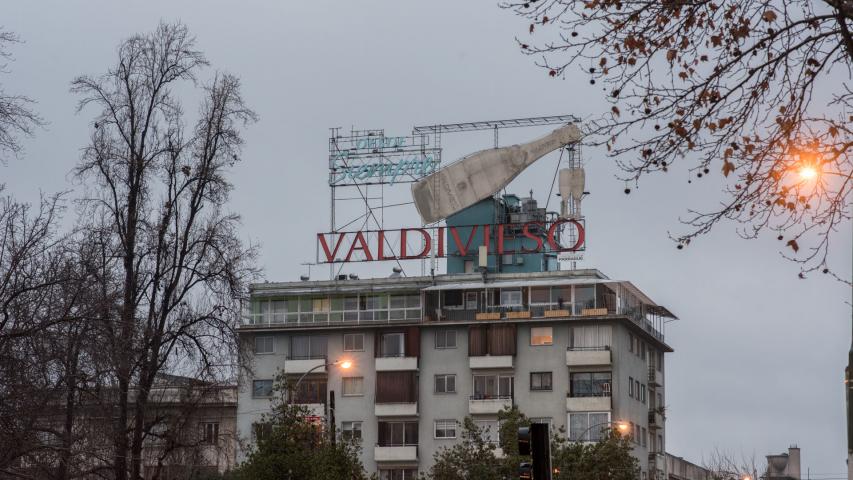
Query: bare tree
[(723, 465), (16, 116), (755, 89), (161, 191)]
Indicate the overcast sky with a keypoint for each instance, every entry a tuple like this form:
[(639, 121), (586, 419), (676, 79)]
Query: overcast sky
[(759, 354)]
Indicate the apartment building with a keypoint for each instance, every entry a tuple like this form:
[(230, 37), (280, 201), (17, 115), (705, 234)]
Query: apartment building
[(572, 348)]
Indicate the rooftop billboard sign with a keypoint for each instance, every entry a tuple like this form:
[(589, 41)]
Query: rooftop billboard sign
[(417, 243), (369, 157)]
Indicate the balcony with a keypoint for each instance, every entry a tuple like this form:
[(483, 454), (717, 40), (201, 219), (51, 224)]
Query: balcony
[(401, 453), (304, 365), (490, 361), (408, 409), (600, 403), (396, 364), (656, 461), (587, 356), (656, 419), (478, 405), (655, 377)]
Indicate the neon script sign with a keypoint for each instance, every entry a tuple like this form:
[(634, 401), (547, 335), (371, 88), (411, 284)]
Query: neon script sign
[(369, 157), (416, 243)]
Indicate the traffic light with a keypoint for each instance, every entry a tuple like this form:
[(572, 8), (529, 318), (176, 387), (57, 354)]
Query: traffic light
[(524, 441), (534, 441)]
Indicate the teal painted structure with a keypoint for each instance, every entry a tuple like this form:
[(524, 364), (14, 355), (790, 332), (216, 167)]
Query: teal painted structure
[(492, 211)]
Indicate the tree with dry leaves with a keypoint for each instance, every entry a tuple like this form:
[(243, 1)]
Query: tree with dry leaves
[(754, 93), (158, 193)]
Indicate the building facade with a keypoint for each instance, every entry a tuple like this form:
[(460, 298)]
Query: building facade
[(573, 348)]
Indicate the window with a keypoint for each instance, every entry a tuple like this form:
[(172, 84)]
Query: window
[(352, 386), (445, 383), (311, 390), (643, 350), (588, 426), (590, 337), (262, 388), (541, 335), (511, 298), (307, 346), (631, 343), (631, 432), (631, 387), (660, 401), (660, 443), (445, 339), (471, 300), (492, 386), (264, 344), (659, 363), (489, 430), (590, 384), (540, 380), (453, 298), (445, 429), (353, 342), (506, 259), (637, 389), (584, 298), (398, 474), (637, 433), (210, 433), (262, 431), (545, 420), (393, 345), (644, 436), (643, 393), (351, 430), (397, 434)]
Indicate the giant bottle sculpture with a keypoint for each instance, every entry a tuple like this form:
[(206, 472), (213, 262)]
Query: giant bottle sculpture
[(481, 174)]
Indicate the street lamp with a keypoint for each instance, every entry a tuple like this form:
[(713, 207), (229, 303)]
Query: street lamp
[(344, 363)]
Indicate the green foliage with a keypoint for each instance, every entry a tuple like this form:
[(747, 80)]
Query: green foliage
[(293, 448), (608, 459), (471, 459)]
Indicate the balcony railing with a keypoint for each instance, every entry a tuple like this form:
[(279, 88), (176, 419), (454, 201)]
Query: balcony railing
[(485, 396), (319, 319)]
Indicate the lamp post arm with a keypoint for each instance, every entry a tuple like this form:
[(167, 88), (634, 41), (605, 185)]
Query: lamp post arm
[(302, 377), (593, 426)]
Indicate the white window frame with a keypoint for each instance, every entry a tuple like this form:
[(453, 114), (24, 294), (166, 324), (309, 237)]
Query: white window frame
[(446, 425), (490, 430), (587, 434), (401, 344), (354, 336), (444, 377), (352, 380), (443, 333), (541, 344), (266, 339), (511, 297), (352, 429), (498, 377)]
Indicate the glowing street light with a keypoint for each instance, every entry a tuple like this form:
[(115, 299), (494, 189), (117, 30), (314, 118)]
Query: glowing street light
[(346, 364), (807, 172)]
